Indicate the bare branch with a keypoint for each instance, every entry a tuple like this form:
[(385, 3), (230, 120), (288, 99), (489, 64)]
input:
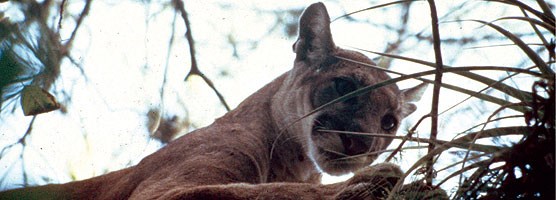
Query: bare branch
[(84, 13), (179, 6), (436, 88), (406, 137), (62, 5)]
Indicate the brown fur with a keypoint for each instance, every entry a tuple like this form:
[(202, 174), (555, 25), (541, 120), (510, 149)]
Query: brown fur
[(261, 150)]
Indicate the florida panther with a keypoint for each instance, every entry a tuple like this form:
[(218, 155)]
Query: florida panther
[(267, 148)]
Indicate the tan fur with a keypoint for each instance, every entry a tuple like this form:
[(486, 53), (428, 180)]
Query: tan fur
[(261, 150)]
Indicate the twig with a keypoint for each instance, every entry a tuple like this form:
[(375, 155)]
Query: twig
[(74, 62), (24, 174), (22, 139), (482, 90), (460, 89), (178, 5), (406, 137), (466, 145), (436, 89), (478, 135), (23, 144), (84, 13), (516, 130), (373, 7), (483, 163), (492, 120), (62, 5), (374, 153), (168, 54), (516, 93)]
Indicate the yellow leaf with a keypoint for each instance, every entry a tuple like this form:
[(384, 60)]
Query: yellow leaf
[(35, 100)]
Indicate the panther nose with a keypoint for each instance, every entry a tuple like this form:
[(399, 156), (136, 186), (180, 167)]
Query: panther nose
[(354, 145)]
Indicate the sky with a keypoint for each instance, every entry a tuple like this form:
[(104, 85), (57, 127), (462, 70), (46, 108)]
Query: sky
[(123, 50)]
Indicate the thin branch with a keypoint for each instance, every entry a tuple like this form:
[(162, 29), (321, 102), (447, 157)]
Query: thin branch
[(374, 153), (538, 32), (168, 54), (533, 56), (406, 137), (483, 163), (482, 90), (211, 85), (549, 17), (436, 89), (23, 143), (516, 93), (373, 7), (516, 130), (84, 13), (62, 6), (178, 5), (477, 136), (472, 93), (468, 146), (492, 120), (21, 140), (78, 65)]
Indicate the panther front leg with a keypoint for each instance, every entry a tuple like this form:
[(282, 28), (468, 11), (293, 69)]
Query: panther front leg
[(372, 183), (244, 191), (350, 189)]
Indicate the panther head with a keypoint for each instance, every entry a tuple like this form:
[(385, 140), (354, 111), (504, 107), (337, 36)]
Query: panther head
[(323, 72)]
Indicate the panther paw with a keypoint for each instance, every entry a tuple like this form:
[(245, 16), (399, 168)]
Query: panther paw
[(371, 183), (376, 182)]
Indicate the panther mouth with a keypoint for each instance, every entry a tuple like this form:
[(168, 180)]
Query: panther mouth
[(351, 145)]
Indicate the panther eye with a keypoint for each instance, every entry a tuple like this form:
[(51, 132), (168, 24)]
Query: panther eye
[(344, 86), (388, 122)]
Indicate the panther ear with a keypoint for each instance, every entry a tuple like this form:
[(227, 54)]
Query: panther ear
[(409, 95), (314, 44)]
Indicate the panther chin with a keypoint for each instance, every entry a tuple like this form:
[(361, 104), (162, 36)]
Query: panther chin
[(339, 153)]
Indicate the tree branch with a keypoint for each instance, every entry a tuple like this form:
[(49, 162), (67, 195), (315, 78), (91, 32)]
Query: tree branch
[(436, 90), (179, 6), (78, 23)]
